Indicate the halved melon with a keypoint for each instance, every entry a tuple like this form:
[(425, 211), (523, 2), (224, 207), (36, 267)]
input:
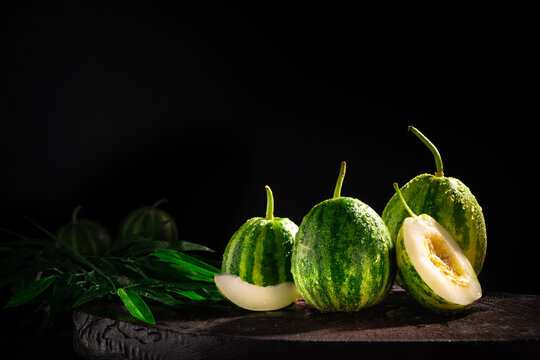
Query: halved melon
[(253, 297), (433, 267)]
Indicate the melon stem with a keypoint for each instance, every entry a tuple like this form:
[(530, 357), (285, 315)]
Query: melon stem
[(159, 202), (75, 214), (339, 183), (269, 203), (434, 151), (403, 200)]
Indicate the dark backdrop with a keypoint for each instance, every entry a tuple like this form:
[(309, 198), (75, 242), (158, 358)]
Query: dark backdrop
[(116, 108)]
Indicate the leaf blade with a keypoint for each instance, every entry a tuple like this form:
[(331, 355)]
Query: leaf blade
[(136, 305), (189, 294), (95, 292), (29, 293), (186, 261)]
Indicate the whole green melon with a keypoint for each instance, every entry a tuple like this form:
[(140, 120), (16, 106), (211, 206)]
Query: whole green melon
[(150, 222), (449, 201), (84, 236), (343, 257), (259, 252), (256, 265)]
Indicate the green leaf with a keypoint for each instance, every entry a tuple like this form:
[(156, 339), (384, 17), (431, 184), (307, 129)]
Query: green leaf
[(136, 305), (123, 243), (24, 281), (186, 261), (15, 277), (95, 292), (65, 289), (190, 246), (198, 277), (213, 293), (136, 246), (30, 292), (19, 253), (189, 294), (159, 296), (145, 247)]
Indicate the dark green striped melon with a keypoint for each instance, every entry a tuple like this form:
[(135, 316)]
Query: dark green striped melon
[(150, 222), (256, 265), (84, 236), (343, 256), (449, 201), (259, 252)]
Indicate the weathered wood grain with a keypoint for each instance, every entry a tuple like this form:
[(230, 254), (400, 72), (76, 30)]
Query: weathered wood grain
[(501, 324)]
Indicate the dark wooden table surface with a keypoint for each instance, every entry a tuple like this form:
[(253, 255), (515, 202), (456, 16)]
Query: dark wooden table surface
[(502, 325)]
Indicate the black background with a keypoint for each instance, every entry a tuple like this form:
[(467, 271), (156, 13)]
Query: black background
[(115, 108)]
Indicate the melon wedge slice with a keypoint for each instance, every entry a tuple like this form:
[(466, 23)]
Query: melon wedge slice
[(432, 266), (253, 297), (439, 262)]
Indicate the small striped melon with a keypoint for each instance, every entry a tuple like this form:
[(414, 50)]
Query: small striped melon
[(150, 222), (84, 236), (258, 260)]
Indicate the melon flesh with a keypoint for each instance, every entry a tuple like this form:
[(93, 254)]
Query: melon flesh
[(439, 260), (253, 297)]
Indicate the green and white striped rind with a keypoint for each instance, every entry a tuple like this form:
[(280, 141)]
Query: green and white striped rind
[(152, 222), (85, 237), (449, 202), (415, 285), (259, 252), (343, 256)]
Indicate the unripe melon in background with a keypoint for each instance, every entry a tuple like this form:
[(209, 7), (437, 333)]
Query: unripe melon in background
[(84, 236), (150, 222)]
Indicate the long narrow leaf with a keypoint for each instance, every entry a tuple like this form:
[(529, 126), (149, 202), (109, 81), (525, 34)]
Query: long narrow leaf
[(120, 245), (29, 242), (186, 261), (95, 292), (16, 277), (191, 246), (189, 294), (73, 254), (144, 246), (64, 288), (34, 289), (136, 305), (159, 296)]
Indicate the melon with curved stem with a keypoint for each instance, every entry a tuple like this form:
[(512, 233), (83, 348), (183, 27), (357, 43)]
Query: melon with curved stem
[(434, 269), (343, 257), (256, 266), (445, 199)]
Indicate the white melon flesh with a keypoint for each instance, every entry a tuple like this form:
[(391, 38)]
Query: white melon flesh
[(253, 297), (439, 260)]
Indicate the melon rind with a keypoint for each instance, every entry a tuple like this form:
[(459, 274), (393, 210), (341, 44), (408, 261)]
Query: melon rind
[(451, 203), (343, 257), (422, 280)]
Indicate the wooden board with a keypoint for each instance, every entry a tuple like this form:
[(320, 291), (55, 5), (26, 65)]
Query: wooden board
[(503, 324)]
